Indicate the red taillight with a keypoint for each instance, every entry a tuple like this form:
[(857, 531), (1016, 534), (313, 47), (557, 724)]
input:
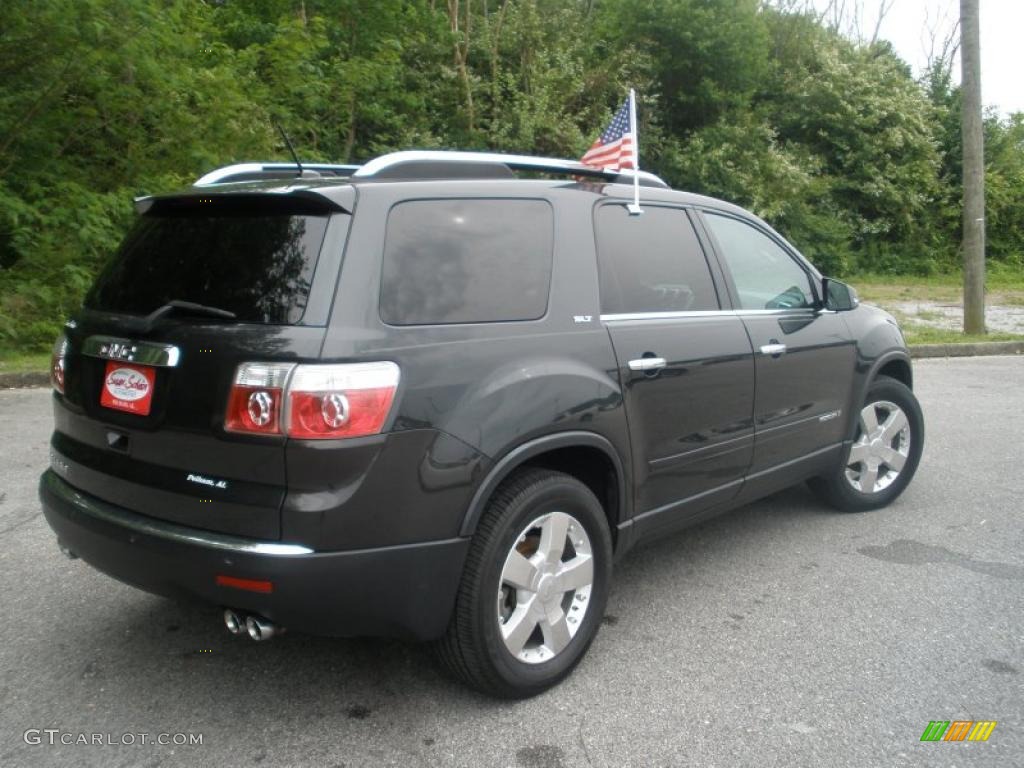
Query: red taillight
[(60, 349), (312, 402), (333, 401), (257, 397)]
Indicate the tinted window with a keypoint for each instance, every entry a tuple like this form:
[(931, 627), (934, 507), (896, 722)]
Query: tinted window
[(651, 263), (257, 265), (766, 277), (466, 261)]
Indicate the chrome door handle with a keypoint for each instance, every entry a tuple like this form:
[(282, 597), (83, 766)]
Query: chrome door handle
[(647, 363), (775, 348)]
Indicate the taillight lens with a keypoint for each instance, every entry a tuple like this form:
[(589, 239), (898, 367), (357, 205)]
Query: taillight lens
[(257, 398), (347, 400), (312, 402), (60, 349)]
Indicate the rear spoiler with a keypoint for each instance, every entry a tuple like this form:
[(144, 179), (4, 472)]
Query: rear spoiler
[(307, 200)]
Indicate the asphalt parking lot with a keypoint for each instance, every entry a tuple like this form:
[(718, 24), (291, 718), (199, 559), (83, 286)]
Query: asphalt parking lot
[(782, 634)]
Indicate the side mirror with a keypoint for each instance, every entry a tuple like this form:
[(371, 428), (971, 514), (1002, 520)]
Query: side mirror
[(839, 297)]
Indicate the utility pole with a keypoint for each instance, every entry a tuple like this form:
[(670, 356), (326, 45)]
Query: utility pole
[(974, 169)]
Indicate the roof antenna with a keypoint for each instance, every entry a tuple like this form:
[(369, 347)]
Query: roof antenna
[(291, 149)]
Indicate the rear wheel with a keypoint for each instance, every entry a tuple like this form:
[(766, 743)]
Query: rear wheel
[(534, 587), (884, 454)]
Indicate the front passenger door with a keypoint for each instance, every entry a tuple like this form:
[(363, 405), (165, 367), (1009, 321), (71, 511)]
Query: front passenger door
[(804, 356)]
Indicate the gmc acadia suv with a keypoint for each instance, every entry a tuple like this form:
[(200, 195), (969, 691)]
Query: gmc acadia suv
[(435, 396)]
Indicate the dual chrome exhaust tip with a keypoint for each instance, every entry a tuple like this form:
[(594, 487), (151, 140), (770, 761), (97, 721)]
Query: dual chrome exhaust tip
[(257, 627), (237, 623)]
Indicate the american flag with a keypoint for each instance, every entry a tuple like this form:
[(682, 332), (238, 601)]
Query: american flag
[(616, 147)]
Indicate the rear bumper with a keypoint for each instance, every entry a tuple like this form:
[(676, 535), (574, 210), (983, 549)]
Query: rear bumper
[(404, 591)]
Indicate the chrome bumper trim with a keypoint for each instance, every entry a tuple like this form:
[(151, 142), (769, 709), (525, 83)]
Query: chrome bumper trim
[(108, 513)]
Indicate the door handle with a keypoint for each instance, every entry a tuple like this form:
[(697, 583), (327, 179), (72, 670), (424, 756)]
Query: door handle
[(647, 363), (773, 349)]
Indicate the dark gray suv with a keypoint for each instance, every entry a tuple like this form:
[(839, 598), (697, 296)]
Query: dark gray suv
[(437, 395)]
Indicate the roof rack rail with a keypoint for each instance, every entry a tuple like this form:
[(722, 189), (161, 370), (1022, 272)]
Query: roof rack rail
[(260, 171), (434, 164)]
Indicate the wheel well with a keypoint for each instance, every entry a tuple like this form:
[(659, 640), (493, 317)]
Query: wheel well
[(592, 467), (899, 370)]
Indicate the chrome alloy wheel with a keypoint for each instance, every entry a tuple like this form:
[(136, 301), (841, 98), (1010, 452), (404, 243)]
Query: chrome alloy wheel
[(545, 587), (881, 448)]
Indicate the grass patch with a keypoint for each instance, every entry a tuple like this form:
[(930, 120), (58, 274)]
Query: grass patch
[(886, 289), (923, 334), (1004, 286), (20, 362)]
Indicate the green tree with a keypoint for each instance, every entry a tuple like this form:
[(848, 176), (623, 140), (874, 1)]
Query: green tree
[(830, 140), (860, 112)]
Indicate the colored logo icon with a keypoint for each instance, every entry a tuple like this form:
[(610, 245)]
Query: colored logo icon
[(958, 730)]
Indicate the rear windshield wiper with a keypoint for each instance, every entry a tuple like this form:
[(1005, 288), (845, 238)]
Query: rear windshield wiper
[(189, 308)]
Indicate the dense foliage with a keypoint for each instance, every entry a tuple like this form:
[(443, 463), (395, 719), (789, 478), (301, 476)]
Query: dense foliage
[(833, 142)]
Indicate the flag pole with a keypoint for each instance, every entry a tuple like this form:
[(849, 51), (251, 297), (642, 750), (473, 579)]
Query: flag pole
[(635, 209)]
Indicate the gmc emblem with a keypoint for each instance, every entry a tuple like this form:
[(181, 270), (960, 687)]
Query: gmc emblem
[(117, 351)]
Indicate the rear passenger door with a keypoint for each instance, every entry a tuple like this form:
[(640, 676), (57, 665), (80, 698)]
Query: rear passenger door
[(804, 355), (686, 366)]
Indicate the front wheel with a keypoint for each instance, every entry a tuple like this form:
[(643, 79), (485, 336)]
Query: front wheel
[(534, 587), (884, 454)]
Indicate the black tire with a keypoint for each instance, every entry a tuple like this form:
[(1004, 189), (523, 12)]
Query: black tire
[(835, 489), (473, 649)]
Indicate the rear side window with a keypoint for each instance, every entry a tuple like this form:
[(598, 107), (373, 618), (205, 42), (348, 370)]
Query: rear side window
[(258, 265), (466, 261), (651, 263)]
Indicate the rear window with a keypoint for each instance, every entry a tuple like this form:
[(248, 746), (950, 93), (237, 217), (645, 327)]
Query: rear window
[(466, 261), (256, 264)]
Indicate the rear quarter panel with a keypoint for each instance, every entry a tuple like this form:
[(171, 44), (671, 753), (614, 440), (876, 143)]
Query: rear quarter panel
[(482, 389)]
